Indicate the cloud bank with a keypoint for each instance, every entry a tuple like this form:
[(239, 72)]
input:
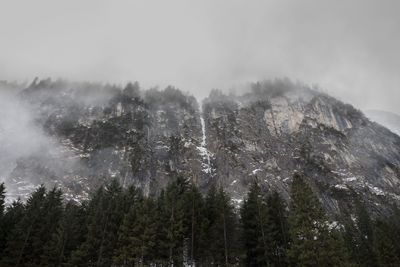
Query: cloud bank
[(350, 48)]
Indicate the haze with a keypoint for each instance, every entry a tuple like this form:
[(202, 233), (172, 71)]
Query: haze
[(349, 48)]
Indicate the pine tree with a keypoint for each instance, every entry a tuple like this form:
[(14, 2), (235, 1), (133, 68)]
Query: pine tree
[(194, 215), (277, 231), (254, 227), (105, 215), (394, 224), (385, 244), (174, 215), (86, 252), (137, 236), (130, 196), (123, 255), (14, 214), (2, 199), (3, 232), (208, 246), (53, 212), (68, 236), (365, 237), (25, 244), (162, 245), (312, 242), (221, 229)]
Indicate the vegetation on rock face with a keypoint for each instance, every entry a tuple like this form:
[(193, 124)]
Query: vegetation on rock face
[(143, 137), (152, 139), (180, 226), (275, 88)]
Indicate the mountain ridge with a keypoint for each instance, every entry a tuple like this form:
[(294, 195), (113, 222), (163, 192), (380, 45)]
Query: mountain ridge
[(147, 137), (387, 119)]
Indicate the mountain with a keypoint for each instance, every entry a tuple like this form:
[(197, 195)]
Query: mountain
[(97, 132), (388, 119)]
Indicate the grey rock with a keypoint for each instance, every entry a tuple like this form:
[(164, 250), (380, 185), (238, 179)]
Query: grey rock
[(148, 137)]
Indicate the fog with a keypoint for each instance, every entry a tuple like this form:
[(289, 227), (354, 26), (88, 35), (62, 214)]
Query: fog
[(21, 139), (18, 134), (349, 48)]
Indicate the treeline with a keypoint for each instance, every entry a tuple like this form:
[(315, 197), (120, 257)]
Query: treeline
[(181, 226)]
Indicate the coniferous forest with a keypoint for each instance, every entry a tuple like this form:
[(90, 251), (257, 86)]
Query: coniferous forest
[(182, 226)]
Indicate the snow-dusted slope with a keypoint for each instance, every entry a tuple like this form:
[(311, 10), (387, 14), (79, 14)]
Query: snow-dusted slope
[(147, 138), (268, 134)]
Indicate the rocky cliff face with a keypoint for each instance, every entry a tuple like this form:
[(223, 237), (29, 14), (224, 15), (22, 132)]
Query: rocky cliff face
[(269, 134), (148, 137), (104, 132)]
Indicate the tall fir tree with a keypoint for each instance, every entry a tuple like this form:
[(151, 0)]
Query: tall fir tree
[(394, 225), (277, 231), (385, 244), (105, 215), (221, 230), (170, 224), (68, 236), (137, 235), (131, 195), (254, 227), (3, 232), (194, 215), (365, 237), (25, 244), (162, 245), (175, 220), (312, 243), (208, 247), (19, 243), (13, 215), (2, 199), (53, 214)]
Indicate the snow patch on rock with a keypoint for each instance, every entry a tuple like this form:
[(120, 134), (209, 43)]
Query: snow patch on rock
[(204, 153)]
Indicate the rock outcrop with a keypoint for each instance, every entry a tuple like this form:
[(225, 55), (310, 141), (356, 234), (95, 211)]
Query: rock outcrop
[(148, 137)]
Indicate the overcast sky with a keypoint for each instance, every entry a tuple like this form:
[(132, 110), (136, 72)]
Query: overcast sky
[(348, 47)]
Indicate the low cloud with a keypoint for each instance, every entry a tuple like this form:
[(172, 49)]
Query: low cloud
[(350, 48)]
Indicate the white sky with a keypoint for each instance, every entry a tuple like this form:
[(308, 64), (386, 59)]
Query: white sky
[(348, 47)]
